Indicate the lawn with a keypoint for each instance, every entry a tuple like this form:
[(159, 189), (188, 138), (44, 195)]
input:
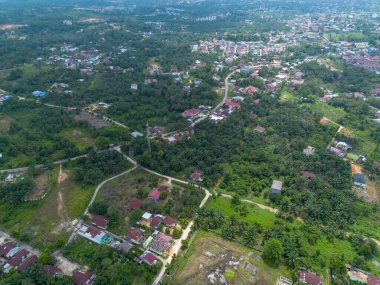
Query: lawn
[(212, 256), (263, 217), (326, 110), (80, 137)]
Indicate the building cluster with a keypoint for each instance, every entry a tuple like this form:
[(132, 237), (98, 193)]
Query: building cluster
[(14, 256)]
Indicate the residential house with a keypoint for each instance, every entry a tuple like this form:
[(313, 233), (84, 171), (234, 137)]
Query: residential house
[(359, 180), (135, 235), (376, 165), (307, 277), (344, 146), (231, 105), (94, 234), (135, 204), (16, 260), (197, 176), (373, 280), (307, 175), (136, 134), (156, 221), (25, 265), (99, 221), (38, 93), (161, 244), (83, 278), (9, 249), (309, 150), (170, 222), (149, 258), (154, 194), (134, 86), (191, 113), (337, 151), (260, 129), (52, 271), (356, 274), (276, 187)]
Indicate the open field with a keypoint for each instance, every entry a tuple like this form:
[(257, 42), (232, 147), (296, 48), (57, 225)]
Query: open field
[(80, 138), (47, 222), (255, 214), (213, 260), (92, 120), (326, 110)]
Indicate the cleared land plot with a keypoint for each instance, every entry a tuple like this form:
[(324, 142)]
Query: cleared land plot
[(41, 185), (40, 223), (326, 110), (92, 120), (213, 260), (80, 138)]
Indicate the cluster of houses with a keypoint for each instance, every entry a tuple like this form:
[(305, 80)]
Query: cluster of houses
[(14, 256), (342, 149), (361, 277)]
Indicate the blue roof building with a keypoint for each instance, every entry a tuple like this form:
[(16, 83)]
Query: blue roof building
[(38, 93)]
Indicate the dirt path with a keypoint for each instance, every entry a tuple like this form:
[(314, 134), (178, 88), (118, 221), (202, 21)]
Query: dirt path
[(62, 213)]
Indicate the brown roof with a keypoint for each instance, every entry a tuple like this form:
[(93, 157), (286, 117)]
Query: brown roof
[(134, 234), (99, 221), (170, 221), (83, 278), (135, 204), (7, 247), (155, 222), (373, 280), (28, 262), (163, 188), (18, 257), (307, 174)]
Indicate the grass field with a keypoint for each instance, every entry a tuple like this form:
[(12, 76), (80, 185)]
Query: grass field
[(81, 138), (263, 217), (287, 96), (326, 110), (40, 223), (210, 257)]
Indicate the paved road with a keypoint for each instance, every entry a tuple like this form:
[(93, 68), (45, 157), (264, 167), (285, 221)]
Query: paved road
[(101, 185)]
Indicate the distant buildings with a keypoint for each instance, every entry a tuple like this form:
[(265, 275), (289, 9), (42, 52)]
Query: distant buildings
[(276, 187)]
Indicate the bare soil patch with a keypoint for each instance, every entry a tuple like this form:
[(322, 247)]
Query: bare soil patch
[(92, 120), (91, 20), (217, 261), (5, 124), (41, 186), (10, 27), (371, 193)]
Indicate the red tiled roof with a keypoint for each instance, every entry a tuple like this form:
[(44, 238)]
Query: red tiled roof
[(155, 222), (155, 194), (135, 204), (149, 258), (163, 188), (161, 243), (28, 262), (196, 175), (307, 174), (231, 104), (93, 231), (99, 221), (7, 247), (373, 280), (83, 278), (190, 112), (309, 278), (18, 257)]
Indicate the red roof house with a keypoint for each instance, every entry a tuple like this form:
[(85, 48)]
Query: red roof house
[(373, 280), (154, 194), (156, 221), (307, 175), (149, 258), (99, 221), (309, 278), (83, 278), (18, 258), (135, 204), (191, 113), (27, 263), (197, 175), (170, 222), (7, 247), (231, 104)]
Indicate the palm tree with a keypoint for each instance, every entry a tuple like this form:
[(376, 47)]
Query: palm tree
[(250, 236)]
